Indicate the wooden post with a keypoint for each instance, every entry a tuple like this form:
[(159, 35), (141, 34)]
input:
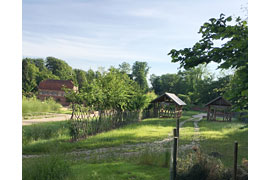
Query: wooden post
[(208, 113), (174, 157), (235, 159), (215, 114), (174, 132), (177, 126)]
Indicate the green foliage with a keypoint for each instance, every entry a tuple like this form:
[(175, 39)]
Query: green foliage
[(83, 127), (60, 68), (139, 74), (50, 167), (195, 85), (29, 75), (111, 91), (200, 166), (34, 105), (233, 53), (125, 68), (81, 77)]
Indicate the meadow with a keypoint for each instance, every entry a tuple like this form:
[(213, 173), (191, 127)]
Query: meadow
[(113, 161)]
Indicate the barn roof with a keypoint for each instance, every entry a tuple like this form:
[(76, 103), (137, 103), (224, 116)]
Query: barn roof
[(169, 96), (219, 101), (55, 84)]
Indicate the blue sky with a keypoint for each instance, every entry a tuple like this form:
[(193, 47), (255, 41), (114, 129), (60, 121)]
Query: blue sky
[(89, 34)]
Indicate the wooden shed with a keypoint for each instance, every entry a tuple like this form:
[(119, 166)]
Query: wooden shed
[(219, 106), (168, 105)]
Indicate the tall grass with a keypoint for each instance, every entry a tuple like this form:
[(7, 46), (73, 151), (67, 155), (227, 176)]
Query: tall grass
[(48, 167), (44, 131), (33, 105)]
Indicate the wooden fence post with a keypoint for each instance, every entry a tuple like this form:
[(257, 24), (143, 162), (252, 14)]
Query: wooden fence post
[(177, 126), (175, 145), (235, 159), (174, 132)]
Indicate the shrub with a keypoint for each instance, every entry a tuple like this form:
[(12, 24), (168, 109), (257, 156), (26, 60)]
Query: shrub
[(200, 166), (50, 167)]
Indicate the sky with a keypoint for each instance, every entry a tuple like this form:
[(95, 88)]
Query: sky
[(93, 33)]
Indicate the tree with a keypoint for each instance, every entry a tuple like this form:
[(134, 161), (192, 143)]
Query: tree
[(29, 75), (125, 68), (113, 90), (233, 53), (139, 73), (80, 77), (60, 68), (90, 76)]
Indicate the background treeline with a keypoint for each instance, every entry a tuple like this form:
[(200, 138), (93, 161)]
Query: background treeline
[(125, 87), (195, 86)]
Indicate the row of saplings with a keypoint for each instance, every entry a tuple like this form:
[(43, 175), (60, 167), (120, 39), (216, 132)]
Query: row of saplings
[(199, 166), (85, 123)]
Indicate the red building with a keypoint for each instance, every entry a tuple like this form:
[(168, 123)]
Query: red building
[(54, 88)]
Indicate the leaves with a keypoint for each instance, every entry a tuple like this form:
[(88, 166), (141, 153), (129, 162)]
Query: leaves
[(233, 53)]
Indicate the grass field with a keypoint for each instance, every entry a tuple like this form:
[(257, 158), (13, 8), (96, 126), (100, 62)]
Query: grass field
[(54, 137), (147, 130), (118, 171), (219, 137)]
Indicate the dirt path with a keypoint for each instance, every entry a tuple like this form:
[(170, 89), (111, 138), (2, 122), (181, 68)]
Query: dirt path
[(196, 136), (56, 117)]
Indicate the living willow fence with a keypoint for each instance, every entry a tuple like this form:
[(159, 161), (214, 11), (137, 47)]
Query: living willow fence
[(86, 122)]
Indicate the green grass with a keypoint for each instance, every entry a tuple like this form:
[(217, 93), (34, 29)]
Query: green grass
[(33, 106), (147, 130), (118, 171), (220, 136)]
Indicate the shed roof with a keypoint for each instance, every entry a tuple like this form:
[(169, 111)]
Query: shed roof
[(55, 84), (219, 101), (169, 96)]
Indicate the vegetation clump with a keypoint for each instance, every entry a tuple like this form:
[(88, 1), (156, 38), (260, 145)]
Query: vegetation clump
[(197, 165), (34, 106), (48, 167)]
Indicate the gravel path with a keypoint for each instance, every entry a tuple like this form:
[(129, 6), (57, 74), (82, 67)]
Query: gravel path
[(196, 136), (56, 117)]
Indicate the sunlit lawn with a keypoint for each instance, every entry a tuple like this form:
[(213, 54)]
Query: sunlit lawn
[(145, 131), (118, 171), (219, 137)]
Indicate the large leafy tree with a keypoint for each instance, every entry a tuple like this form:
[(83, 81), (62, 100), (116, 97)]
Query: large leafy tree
[(113, 90), (60, 68), (233, 53), (125, 68), (29, 76), (139, 74), (81, 78)]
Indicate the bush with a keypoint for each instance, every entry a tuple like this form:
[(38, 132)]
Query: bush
[(52, 167), (200, 166)]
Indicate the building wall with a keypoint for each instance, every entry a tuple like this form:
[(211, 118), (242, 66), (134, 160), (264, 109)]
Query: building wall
[(58, 96)]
